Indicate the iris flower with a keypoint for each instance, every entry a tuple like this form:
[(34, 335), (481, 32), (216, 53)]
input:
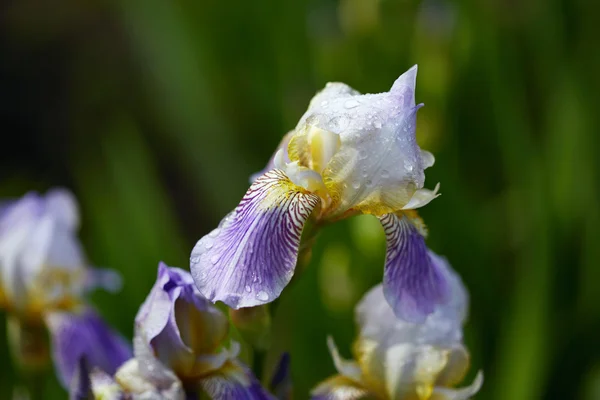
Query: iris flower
[(179, 350), (44, 277), (400, 360), (349, 154)]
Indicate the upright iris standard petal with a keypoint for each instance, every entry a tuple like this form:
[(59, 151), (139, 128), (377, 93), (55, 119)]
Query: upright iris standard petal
[(412, 281), (250, 257), (180, 328), (375, 165), (85, 335)]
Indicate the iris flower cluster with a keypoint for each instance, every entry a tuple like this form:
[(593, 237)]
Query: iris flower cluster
[(349, 154)]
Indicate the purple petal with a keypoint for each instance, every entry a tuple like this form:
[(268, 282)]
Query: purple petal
[(413, 284), (80, 387), (235, 381), (281, 381), (251, 256), (86, 335), (183, 329)]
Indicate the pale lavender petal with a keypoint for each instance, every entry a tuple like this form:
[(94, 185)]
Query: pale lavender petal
[(251, 257), (62, 204), (85, 335), (403, 88), (183, 329), (413, 283), (38, 243), (235, 381)]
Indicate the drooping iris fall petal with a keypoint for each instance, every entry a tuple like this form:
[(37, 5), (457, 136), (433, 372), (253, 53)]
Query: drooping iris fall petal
[(251, 256), (84, 335), (412, 282)]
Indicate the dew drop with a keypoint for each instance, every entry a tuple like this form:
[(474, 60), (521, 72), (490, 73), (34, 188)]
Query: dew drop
[(351, 104), (356, 185), (262, 296), (369, 183), (312, 120), (339, 123), (248, 288), (385, 174), (324, 103), (208, 243), (195, 259), (377, 123), (362, 155), (214, 259), (214, 233)]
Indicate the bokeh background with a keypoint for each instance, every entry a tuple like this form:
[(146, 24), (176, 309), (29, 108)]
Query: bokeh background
[(154, 113)]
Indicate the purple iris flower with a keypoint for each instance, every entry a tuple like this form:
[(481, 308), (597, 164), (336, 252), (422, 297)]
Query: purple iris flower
[(44, 277), (181, 349), (349, 154)]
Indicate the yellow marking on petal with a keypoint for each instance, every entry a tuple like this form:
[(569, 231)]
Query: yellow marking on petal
[(377, 202), (323, 145), (416, 220), (298, 148), (373, 378)]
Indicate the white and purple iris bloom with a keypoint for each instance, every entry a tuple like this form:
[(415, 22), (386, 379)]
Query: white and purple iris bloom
[(400, 360), (180, 350), (349, 154), (44, 277)]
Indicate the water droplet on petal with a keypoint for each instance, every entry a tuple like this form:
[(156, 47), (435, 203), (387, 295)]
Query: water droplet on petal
[(324, 103), (385, 174), (351, 104), (214, 233), (356, 185), (208, 243), (248, 288), (262, 296), (214, 259), (362, 154), (377, 123), (195, 259), (339, 123)]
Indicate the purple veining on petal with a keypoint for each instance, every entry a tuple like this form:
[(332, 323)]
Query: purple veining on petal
[(251, 257), (84, 335), (234, 382), (412, 283)]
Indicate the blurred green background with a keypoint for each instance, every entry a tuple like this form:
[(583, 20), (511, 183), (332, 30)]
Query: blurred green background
[(155, 113)]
